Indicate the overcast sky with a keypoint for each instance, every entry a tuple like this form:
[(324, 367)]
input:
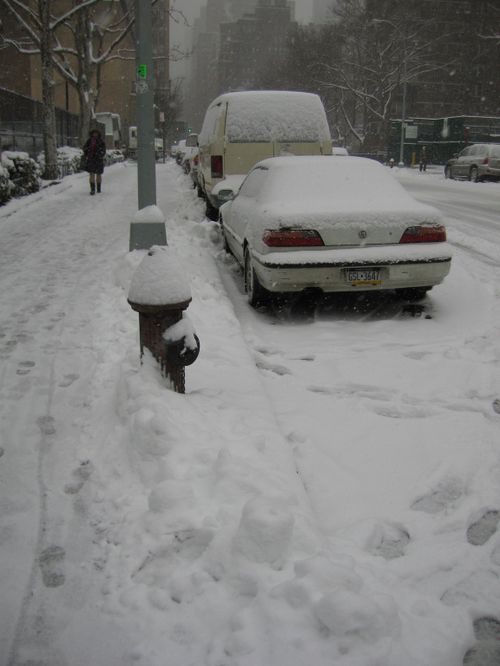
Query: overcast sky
[(180, 35)]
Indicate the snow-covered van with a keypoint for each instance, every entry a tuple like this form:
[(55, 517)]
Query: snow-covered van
[(242, 128)]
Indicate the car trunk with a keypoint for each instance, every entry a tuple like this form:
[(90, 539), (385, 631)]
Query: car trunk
[(360, 233)]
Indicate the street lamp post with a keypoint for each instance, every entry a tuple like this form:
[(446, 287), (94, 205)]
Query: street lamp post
[(146, 167)]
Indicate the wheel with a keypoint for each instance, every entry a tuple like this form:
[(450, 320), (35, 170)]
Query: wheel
[(447, 172), (200, 192), (413, 294), (473, 175), (256, 293)]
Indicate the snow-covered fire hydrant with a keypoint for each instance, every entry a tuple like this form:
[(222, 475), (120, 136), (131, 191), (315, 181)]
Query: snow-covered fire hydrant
[(160, 293)]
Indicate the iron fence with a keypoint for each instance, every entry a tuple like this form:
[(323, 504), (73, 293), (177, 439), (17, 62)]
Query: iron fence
[(21, 126)]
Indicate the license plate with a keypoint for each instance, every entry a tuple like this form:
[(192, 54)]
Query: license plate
[(363, 276)]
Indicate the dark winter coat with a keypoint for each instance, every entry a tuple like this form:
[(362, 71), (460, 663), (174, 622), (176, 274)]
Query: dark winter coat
[(94, 153)]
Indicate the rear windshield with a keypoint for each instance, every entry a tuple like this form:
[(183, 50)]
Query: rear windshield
[(285, 117)]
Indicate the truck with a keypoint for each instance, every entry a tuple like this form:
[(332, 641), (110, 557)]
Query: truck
[(132, 143), (113, 131)]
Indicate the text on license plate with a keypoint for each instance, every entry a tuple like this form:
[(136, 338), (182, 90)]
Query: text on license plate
[(363, 275)]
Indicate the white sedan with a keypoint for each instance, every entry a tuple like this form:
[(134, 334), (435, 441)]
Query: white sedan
[(332, 225)]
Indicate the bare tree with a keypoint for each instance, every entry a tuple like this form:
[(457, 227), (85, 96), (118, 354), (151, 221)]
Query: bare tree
[(382, 53), (76, 44), (37, 20), (94, 40)]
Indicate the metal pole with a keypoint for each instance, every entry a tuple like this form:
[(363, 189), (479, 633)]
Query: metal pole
[(403, 115), (146, 174)]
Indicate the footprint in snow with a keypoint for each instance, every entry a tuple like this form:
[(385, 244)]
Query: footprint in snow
[(80, 476), (25, 367), (50, 562), (443, 497), (406, 412), (67, 380), (46, 425), (496, 406), (280, 370), (486, 652), (389, 540), (480, 531)]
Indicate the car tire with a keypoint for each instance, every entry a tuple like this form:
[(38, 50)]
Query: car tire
[(200, 192), (474, 175), (256, 293), (447, 172), (413, 294)]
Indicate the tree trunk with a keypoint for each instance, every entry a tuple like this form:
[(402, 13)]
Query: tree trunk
[(86, 112), (49, 112)]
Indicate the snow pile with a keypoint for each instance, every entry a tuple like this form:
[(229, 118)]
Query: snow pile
[(150, 214), (159, 279), (263, 116), (23, 173), (68, 160), (326, 491), (5, 185), (326, 186), (268, 116)]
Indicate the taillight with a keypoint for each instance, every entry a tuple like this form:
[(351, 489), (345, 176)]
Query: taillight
[(292, 238), (427, 233), (486, 160), (216, 166), (196, 160)]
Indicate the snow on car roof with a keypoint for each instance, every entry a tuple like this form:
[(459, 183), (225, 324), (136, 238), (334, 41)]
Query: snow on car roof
[(321, 183), (275, 115)]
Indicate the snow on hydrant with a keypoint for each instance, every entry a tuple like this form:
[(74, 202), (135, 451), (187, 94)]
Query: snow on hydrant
[(160, 292)]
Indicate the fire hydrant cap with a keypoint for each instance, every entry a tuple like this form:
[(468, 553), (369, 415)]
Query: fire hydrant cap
[(159, 279)]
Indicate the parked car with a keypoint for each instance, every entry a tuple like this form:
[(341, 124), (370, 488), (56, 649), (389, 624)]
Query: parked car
[(242, 128), (190, 149), (194, 163), (332, 225), (480, 161), (179, 151)]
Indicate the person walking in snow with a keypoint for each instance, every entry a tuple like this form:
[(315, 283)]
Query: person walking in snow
[(94, 151), (423, 159)]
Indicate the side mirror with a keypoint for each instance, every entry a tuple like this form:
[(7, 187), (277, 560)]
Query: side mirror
[(226, 195)]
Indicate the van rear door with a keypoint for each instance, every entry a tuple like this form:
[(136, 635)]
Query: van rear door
[(299, 148), (239, 158)]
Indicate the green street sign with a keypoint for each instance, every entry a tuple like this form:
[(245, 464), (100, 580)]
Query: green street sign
[(142, 71)]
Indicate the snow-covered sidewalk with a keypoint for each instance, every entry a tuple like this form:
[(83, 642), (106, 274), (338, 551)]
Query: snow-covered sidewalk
[(144, 527)]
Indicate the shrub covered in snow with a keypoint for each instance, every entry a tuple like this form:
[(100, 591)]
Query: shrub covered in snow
[(5, 186), (113, 156), (68, 160), (23, 172)]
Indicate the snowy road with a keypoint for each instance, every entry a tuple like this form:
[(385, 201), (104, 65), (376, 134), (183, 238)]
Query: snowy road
[(471, 210), (326, 492)]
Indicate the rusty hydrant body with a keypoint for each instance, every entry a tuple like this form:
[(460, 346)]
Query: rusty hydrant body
[(160, 294)]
